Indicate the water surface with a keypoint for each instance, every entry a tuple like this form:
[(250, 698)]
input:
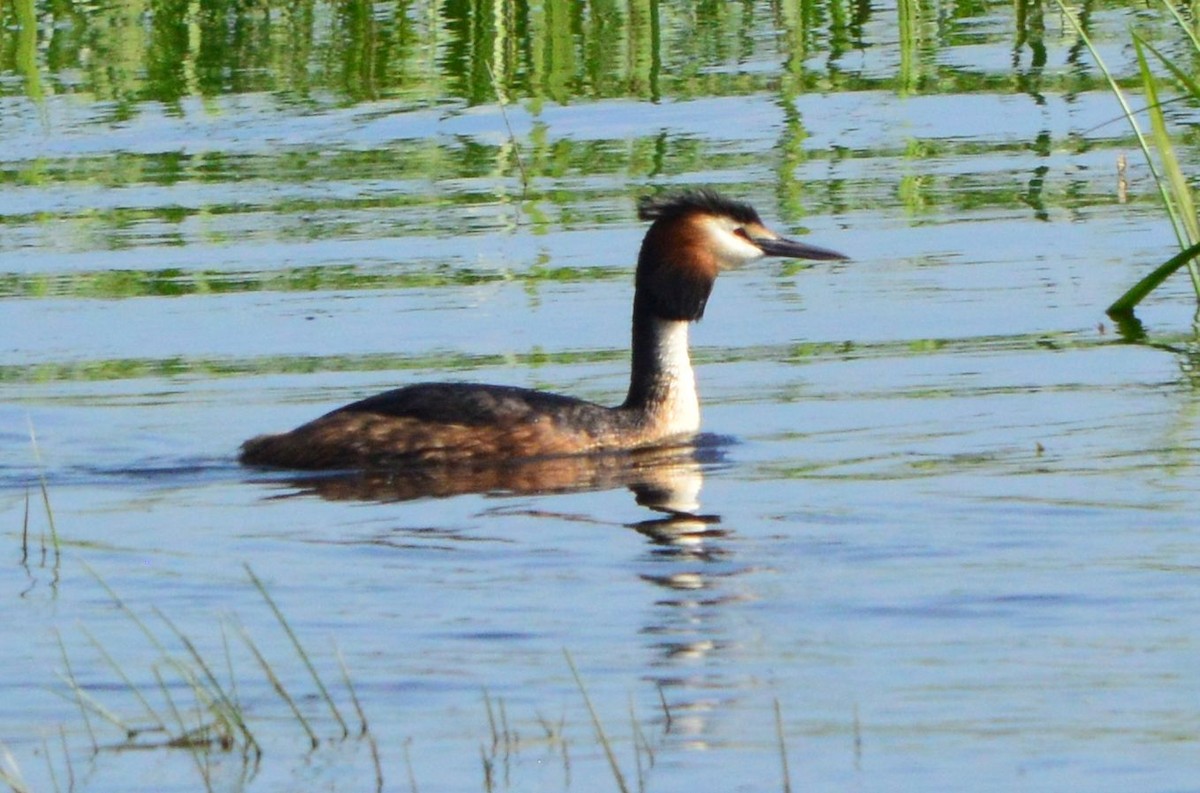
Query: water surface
[(948, 509)]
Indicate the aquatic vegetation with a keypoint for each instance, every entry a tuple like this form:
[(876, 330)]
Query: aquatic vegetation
[(601, 736), (194, 704), (190, 706), (952, 501), (49, 546), (1173, 187)]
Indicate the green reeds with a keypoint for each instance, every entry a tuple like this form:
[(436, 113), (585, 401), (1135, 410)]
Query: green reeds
[(600, 734), (312, 670), (189, 706), (1173, 188), (1176, 193), (54, 542)]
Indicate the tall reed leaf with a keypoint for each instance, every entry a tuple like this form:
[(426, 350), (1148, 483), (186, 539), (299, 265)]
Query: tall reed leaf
[(1123, 307), (1180, 191), (1172, 185), (1177, 200)]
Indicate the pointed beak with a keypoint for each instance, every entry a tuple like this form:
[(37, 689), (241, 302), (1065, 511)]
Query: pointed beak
[(790, 249)]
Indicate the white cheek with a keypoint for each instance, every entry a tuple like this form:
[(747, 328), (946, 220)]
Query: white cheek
[(731, 250)]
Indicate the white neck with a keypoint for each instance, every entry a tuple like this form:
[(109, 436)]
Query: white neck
[(663, 384), (675, 363)]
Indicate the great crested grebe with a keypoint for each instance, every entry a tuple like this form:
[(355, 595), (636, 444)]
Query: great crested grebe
[(694, 236)]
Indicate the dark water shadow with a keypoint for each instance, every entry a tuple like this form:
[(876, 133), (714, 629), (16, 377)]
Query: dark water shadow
[(153, 473)]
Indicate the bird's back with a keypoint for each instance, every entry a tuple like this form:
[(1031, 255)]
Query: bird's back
[(434, 423)]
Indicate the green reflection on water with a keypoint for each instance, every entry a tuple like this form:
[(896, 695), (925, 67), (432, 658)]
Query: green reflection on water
[(449, 361), (480, 51), (175, 282)]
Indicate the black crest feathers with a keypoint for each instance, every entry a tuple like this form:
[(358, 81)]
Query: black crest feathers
[(674, 205)]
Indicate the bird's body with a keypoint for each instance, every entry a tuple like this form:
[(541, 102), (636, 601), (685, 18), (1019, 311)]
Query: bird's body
[(694, 236)]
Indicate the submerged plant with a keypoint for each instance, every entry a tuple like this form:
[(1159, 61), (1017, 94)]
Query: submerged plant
[(1173, 188)]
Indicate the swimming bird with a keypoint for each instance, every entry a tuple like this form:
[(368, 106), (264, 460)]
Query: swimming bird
[(693, 236)]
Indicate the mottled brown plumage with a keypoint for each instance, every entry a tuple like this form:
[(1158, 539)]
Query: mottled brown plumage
[(438, 423), (694, 235)]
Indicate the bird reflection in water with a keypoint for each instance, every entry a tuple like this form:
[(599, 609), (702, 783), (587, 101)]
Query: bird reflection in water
[(689, 561), (665, 479)]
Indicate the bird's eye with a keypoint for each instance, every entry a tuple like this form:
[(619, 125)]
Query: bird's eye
[(741, 232)]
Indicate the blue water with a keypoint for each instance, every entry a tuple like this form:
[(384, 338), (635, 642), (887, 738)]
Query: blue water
[(949, 510)]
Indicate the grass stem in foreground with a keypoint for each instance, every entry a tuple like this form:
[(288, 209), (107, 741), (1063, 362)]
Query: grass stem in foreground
[(10, 772), (487, 704), (145, 629), (124, 679), (74, 686), (227, 706), (280, 689), (25, 533), (50, 764), (512, 138), (37, 455), (787, 776), (608, 751), (1123, 306), (191, 746), (1173, 188), (312, 670), (365, 730), (62, 737), (662, 698), (412, 777)]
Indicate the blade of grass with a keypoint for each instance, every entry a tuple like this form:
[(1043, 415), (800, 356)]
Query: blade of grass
[(787, 776), (512, 138), (365, 730), (217, 691), (37, 455), (1130, 116), (1124, 305), (358, 708), (662, 698), (145, 629), (637, 748), (487, 703), (1183, 24), (1180, 191), (62, 736), (312, 670), (87, 703), (206, 702), (1189, 84), (412, 777), (124, 679), (1180, 203), (640, 735), (74, 686), (488, 782), (10, 772), (233, 692), (508, 733), (25, 533), (608, 750), (280, 689), (1173, 187), (193, 750), (50, 764)]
